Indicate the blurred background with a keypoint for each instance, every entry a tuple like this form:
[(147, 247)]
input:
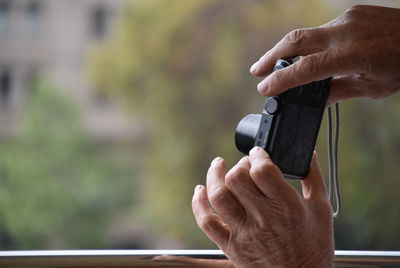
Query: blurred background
[(110, 112)]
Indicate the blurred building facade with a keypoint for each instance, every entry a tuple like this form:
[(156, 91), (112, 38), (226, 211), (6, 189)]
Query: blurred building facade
[(53, 39)]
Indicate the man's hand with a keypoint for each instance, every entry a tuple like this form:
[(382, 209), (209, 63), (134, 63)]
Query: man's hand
[(258, 220), (359, 48)]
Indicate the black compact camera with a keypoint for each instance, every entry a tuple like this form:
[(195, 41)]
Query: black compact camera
[(288, 126)]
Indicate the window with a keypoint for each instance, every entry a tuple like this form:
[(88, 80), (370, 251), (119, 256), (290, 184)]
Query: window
[(99, 19), (5, 8), (5, 85), (33, 19)]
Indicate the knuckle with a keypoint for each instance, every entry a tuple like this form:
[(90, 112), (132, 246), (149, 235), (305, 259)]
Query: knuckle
[(234, 177), (217, 198), (296, 37), (265, 169), (308, 65), (355, 8), (206, 222), (354, 13)]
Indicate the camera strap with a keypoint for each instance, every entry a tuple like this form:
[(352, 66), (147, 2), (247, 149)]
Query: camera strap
[(333, 180)]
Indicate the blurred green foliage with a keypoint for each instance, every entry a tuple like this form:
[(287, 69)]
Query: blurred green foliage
[(369, 168), (183, 67), (58, 189)]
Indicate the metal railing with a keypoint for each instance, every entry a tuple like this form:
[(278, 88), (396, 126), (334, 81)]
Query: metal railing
[(166, 258)]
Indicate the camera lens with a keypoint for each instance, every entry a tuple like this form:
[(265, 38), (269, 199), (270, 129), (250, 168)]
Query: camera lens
[(246, 132)]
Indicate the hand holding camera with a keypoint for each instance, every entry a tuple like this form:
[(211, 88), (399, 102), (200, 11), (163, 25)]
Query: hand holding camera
[(359, 48), (288, 126), (251, 212), (259, 220)]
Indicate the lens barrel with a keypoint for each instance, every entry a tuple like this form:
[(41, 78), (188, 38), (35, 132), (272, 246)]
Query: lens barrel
[(246, 132)]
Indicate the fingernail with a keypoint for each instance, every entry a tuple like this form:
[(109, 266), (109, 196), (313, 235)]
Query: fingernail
[(198, 188), (255, 149), (216, 160), (262, 87), (254, 67)]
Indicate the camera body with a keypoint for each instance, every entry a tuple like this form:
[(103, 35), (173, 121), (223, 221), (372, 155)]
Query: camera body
[(288, 126)]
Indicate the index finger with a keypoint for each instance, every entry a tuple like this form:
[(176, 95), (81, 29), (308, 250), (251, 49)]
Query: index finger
[(310, 68), (299, 42)]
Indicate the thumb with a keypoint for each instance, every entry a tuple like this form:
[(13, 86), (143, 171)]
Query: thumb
[(347, 87), (314, 185)]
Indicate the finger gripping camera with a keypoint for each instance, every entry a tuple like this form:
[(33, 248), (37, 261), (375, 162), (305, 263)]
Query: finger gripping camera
[(288, 126)]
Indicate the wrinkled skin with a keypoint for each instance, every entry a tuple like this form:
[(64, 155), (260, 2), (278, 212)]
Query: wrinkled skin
[(360, 49), (259, 220), (251, 212)]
